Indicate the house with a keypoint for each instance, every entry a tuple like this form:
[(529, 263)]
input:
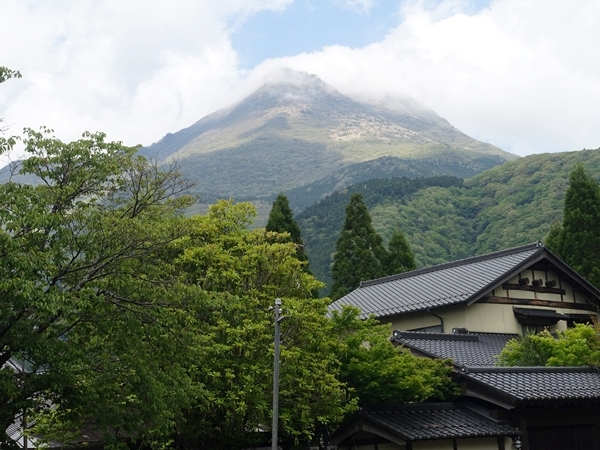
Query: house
[(468, 310)]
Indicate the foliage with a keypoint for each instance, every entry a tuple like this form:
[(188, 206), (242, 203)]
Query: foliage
[(86, 311), (281, 220), (7, 74), (445, 219), (399, 258), (359, 250), (378, 372), (321, 224), (577, 241), (242, 272), (578, 346)]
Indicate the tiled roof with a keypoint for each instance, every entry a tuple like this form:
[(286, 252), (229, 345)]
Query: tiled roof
[(436, 421), (539, 313), (481, 350), (535, 384), (441, 285)]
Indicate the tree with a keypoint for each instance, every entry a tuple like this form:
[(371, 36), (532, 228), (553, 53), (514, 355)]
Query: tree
[(359, 250), (241, 272), (378, 372), (578, 346), (7, 74), (400, 257), (577, 241), (89, 312), (281, 220)]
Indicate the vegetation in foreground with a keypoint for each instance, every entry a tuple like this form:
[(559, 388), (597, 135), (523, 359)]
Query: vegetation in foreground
[(121, 314)]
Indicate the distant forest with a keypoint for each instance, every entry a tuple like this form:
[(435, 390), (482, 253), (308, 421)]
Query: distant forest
[(446, 218)]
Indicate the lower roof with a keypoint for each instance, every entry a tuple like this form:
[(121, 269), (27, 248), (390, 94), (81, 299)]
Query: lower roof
[(435, 421), (518, 385), (472, 349)]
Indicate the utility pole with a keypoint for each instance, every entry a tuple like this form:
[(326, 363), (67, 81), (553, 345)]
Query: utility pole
[(275, 425)]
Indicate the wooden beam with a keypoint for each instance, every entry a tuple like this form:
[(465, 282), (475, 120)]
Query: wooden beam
[(527, 287), (530, 302)]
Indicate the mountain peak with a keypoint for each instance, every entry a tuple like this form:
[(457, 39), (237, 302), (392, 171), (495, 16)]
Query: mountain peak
[(293, 85)]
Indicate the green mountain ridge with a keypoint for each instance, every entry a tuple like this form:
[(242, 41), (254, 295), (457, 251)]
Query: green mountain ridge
[(444, 218)]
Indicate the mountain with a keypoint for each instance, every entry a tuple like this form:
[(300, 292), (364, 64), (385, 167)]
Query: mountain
[(446, 219), (296, 130)]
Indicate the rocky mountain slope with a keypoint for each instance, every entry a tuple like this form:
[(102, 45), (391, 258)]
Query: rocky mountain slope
[(298, 130)]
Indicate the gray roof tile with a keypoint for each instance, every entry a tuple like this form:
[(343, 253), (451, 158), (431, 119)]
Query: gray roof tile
[(437, 421), (437, 286), (534, 384), (481, 350), (539, 313)]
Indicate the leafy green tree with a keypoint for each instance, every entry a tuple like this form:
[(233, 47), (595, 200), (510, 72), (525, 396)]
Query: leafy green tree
[(578, 346), (281, 220), (577, 242), (241, 272), (400, 257), (7, 74), (378, 372), (88, 310), (359, 250)]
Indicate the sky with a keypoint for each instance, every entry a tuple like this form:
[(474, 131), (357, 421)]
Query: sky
[(522, 75)]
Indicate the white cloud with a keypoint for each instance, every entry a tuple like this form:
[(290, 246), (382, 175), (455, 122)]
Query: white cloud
[(522, 75), (136, 69)]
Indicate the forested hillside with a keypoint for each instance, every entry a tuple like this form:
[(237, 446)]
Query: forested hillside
[(445, 219)]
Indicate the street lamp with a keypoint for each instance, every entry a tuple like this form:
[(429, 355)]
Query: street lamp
[(517, 443)]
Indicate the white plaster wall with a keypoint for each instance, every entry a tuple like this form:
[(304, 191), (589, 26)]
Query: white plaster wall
[(479, 317), (412, 321), (462, 444), (478, 444), (391, 447), (445, 444), (570, 296)]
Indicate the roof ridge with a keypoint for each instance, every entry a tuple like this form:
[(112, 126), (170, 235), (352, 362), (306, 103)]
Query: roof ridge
[(459, 262), (530, 369), (397, 334), (400, 407), (489, 333)]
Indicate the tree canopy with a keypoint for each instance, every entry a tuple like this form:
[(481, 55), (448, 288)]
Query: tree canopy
[(242, 271), (359, 250), (578, 346), (84, 306), (281, 220), (577, 241), (360, 253), (399, 258), (378, 372)]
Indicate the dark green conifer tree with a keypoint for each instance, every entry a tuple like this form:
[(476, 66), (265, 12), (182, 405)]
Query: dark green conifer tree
[(400, 257), (281, 220), (359, 251), (577, 241)]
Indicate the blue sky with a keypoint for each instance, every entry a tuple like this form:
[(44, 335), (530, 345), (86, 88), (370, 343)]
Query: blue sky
[(309, 25), (521, 74)]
